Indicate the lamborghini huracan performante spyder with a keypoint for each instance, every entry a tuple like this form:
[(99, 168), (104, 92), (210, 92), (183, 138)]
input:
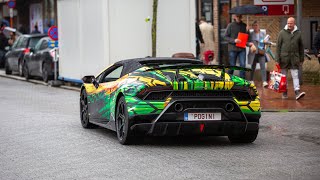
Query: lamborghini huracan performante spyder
[(170, 97)]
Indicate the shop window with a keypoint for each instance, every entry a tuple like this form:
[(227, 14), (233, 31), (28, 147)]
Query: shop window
[(207, 10)]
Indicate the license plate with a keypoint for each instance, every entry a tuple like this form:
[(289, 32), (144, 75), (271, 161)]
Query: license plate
[(202, 116)]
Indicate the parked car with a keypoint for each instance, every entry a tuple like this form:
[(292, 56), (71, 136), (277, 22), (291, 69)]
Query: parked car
[(16, 53), (6, 32), (39, 62), (170, 97)]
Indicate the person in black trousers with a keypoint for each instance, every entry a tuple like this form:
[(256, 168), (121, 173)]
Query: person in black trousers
[(316, 44), (198, 38)]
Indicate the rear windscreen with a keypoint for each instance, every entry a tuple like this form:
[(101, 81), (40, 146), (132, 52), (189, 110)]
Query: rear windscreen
[(33, 41)]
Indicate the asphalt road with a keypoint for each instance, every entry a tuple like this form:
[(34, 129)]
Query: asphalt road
[(41, 138)]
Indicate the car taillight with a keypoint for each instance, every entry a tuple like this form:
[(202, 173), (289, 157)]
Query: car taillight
[(26, 51), (52, 53)]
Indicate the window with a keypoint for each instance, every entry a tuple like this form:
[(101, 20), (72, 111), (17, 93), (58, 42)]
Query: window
[(207, 10), (33, 41), (44, 44), (112, 74), (15, 44), (37, 46), (23, 43)]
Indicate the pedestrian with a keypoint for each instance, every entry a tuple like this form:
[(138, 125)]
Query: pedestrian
[(231, 35), (35, 30), (257, 38), (208, 37), (316, 44), (3, 44), (199, 40), (290, 54), (12, 38)]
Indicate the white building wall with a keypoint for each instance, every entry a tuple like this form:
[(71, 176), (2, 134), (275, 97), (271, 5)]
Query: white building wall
[(176, 27), (70, 62), (95, 34)]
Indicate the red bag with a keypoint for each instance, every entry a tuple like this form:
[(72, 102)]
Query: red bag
[(278, 81), (208, 56)]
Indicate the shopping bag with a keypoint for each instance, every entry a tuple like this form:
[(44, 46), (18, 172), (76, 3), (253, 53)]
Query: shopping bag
[(278, 81)]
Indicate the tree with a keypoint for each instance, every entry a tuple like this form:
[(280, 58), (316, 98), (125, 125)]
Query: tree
[(154, 28)]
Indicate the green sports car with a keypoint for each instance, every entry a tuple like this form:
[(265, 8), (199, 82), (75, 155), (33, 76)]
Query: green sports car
[(170, 97)]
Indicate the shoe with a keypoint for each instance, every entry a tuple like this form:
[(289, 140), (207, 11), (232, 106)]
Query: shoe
[(285, 95), (299, 95), (265, 84), (252, 82)]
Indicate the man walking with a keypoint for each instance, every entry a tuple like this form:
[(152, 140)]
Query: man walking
[(231, 35), (290, 54)]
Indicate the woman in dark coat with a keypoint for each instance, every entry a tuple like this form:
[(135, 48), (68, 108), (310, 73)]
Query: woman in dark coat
[(316, 44)]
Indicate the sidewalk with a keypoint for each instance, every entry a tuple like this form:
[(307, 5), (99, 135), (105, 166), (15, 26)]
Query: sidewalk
[(270, 100)]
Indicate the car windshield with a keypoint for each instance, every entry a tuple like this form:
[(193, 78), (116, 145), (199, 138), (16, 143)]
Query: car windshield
[(33, 41)]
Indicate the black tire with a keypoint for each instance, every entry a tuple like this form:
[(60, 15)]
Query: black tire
[(7, 68), (122, 122), (247, 137), (20, 68), (45, 73), (84, 114), (26, 72)]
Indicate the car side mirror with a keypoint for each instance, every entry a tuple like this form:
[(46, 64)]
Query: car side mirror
[(31, 50), (90, 79)]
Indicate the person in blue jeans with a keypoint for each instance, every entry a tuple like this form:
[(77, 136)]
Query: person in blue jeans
[(235, 52), (257, 38)]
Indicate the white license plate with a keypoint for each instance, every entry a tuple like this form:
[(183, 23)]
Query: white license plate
[(202, 116)]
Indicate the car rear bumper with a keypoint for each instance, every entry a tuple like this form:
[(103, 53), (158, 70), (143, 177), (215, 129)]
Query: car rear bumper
[(216, 128)]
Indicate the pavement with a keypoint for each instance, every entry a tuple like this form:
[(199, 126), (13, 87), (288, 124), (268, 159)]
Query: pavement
[(270, 101)]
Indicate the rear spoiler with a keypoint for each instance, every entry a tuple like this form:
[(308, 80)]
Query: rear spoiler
[(202, 66)]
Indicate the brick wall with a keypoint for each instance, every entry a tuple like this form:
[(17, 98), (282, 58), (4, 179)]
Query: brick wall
[(310, 8)]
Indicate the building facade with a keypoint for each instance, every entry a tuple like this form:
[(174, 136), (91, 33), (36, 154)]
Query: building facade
[(27, 14), (217, 13)]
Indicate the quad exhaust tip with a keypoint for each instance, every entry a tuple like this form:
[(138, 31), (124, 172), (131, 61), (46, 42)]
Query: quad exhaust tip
[(229, 107), (178, 107)]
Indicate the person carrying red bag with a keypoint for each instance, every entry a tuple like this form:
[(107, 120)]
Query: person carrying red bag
[(290, 54)]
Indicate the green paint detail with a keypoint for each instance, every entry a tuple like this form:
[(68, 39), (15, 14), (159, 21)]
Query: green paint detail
[(131, 86)]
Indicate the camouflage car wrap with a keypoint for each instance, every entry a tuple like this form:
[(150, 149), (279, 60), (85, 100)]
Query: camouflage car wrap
[(137, 84)]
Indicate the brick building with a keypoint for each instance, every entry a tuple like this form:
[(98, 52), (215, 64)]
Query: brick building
[(216, 12), (28, 13)]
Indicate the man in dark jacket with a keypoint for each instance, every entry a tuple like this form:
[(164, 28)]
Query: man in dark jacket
[(290, 54), (231, 35), (3, 44), (198, 38), (316, 44)]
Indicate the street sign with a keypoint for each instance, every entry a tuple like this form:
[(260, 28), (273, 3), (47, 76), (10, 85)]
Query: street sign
[(53, 44), (273, 2), (278, 10), (11, 4), (276, 7), (53, 33)]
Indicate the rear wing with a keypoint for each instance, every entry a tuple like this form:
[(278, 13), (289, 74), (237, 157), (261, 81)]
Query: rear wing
[(199, 66)]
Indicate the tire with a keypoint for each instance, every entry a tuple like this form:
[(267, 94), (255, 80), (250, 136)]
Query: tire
[(45, 73), (26, 72), (122, 122), (84, 114), (7, 68), (20, 68), (247, 137)]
